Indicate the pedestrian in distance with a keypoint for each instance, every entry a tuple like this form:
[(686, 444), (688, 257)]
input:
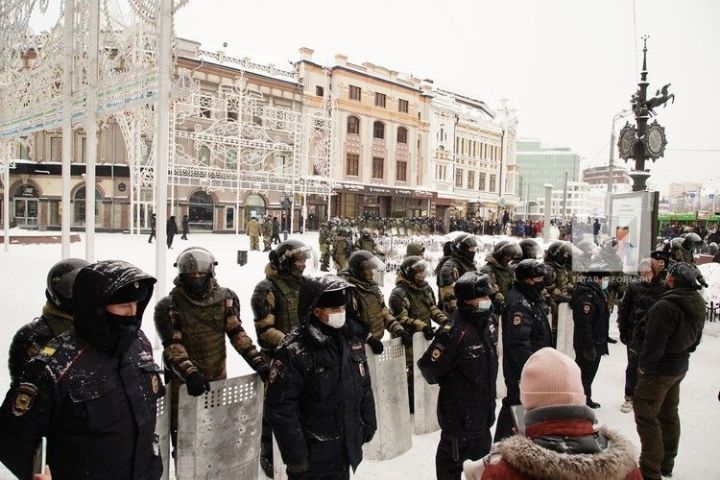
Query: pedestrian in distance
[(91, 391), (319, 397), (556, 433), (171, 230), (185, 227), (153, 223), (253, 231)]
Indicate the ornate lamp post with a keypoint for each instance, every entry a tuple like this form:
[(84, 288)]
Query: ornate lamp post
[(643, 142)]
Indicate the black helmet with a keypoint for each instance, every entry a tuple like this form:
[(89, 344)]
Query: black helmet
[(529, 268), (196, 260), (465, 245), (472, 285), (685, 275), (713, 248), (60, 281), (343, 232), (505, 251), (529, 248), (560, 252), (326, 291), (366, 233), (287, 253), (412, 265), (690, 240), (362, 260)]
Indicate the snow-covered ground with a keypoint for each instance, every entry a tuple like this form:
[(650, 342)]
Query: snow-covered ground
[(22, 281)]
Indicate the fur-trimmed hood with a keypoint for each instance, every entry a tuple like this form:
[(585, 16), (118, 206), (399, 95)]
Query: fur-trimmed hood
[(615, 462)]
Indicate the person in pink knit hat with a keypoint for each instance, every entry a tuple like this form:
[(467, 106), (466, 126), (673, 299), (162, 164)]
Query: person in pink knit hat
[(557, 436)]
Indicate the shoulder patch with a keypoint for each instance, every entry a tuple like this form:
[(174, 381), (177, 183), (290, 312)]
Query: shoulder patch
[(586, 308), (436, 353), (24, 398), (517, 318)]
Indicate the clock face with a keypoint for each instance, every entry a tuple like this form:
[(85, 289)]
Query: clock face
[(655, 140), (626, 143)]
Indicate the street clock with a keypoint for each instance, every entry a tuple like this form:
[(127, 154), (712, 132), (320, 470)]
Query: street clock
[(655, 140), (626, 141)]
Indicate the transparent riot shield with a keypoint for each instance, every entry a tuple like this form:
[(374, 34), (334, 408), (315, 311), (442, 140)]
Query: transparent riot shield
[(500, 387), (219, 432), (279, 468), (162, 430), (565, 330), (425, 395), (390, 391)]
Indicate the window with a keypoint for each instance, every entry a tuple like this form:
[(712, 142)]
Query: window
[(231, 107), (403, 106), (56, 149), (481, 181), (23, 152), (204, 155), (352, 166), (378, 167), (458, 177), (471, 179), (353, 125), (402, 135), (205, 106), (380, 100), (355, 93), (319, 91), (378, 130), (401, 171), (492, 183), (457, 144), (441, 172)]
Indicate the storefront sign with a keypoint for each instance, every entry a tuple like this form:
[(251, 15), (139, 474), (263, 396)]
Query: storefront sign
[(381, 190)]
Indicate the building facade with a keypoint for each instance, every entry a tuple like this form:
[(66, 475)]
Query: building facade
[(582, 201), (598, 178)]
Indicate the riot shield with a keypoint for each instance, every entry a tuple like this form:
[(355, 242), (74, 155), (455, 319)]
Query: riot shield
[(162, 430), (500, 387), (219, 432), (279, 468), (565, 330), (390, 391), (425, 395)]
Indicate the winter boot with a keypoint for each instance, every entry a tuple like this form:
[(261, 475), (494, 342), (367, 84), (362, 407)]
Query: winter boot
[(627, 405), (592, 404)]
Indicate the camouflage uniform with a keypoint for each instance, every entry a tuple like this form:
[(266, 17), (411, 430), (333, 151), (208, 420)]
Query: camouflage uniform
[(324, 240), (267, 233), (342, 248)]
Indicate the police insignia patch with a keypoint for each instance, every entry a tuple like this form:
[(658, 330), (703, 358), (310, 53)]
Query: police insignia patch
[(586, 308), (435, 354), (517, 319), (275, 369), (24, 398)]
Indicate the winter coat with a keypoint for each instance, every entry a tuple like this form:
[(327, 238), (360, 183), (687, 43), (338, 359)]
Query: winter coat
[(275, 227), (92, 393), (275, 307), (253, 228), (267, 229), (639, 297), (561, 290), (414, 305), (368, 304), (559, 449), (502, 279), (31, 337), (525, 329), (591, 318), (171, 227), (185, 225), (463, 360), (319, 398), (673, 330), (448, 270)]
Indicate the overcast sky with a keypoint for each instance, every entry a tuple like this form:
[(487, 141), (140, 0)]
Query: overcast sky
[(567, 66)]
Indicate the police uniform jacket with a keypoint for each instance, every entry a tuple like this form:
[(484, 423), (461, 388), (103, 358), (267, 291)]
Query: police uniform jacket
[(462, 359), (525, 328), (319, 397), (591, 318)]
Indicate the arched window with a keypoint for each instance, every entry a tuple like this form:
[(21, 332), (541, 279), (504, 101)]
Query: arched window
[(402, 135), (353, 125), (254, 207), (79, 205), (201, 211), (378, 130)]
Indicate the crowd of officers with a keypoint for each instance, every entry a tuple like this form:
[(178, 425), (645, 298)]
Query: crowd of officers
[(84, 369)]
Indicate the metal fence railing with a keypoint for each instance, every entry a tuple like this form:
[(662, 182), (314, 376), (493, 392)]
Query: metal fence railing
[(712, 312)]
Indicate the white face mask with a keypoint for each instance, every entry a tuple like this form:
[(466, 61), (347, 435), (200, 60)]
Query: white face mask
[(605, 283), (484, 305), (336, 320)]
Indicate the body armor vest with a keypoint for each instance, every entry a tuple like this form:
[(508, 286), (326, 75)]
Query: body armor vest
[(286, 303)]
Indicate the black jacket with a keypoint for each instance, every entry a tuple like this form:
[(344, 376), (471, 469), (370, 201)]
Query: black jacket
[(591, 318), (525, 329), (673, 330), (319, 397), (94, 400), (463, 360), (639, 297)]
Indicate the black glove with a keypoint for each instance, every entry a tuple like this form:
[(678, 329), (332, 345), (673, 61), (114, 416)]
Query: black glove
[(263, 371), (428, 332), (406, 337), (375, 345), (197, 384), (589, 353)]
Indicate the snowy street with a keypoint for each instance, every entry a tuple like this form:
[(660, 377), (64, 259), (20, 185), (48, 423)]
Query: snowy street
[(22, 284)]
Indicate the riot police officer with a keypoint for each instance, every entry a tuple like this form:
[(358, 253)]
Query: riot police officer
[(342, 248), (324, 240), (368, 302), (529, 248), (412, 302), (463, 360), (591, 317), (367, 242), (319, 398), (267, 233), (192, 321), (92, 391), (56, 315), (459, 259), (525, 330)]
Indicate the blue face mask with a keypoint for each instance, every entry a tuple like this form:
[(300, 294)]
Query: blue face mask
[(484, 306), (605, 283)]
